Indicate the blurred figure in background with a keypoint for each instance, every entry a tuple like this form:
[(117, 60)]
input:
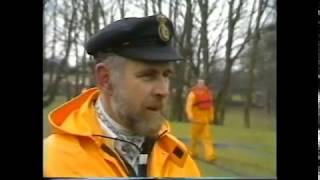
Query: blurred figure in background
[(200, 112)]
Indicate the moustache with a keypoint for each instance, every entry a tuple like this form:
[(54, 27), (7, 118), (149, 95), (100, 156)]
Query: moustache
[(155, 106)]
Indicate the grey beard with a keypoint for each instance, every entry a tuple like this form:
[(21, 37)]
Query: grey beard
[(137, 124), (146, 127)]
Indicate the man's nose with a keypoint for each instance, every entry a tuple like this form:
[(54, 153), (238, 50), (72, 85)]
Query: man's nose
[(162, 88)]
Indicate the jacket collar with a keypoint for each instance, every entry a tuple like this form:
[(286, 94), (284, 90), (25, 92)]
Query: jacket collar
[(78, 117)]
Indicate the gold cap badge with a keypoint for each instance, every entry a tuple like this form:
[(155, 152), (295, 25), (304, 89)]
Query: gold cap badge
[(164, 32)]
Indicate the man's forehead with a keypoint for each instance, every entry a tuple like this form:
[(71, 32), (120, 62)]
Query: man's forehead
[(138, 65)]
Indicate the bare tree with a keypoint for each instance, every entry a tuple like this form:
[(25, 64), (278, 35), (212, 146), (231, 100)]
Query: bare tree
[(61, 68), (204, 42), (179, 79), (96, 15), (121, 4), (171, 5), (154, 4), (49, 68), (44, 32), (234, 15), (92, 26), (253, 61), (146, 8), (160, 6), (175, 12), (77, 70), (215, 46), (86, 15), (102, 12)]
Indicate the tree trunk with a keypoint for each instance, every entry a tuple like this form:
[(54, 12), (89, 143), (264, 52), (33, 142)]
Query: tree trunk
[(77, 73), (249, 95), (227, 71), (67, 86), (203, 4), (88, 22), (102, 12), (252, 65), (177, 108), (177, 103), (53, 91), (54, 39), (146, 7), (175, 12), (160, 6), (121, 4), (170, 9), (251, 82), (268, 101), (84, 65), (48, 66), (154, 6), (95, 15), (223, 93), (233, 19), (51, 71)]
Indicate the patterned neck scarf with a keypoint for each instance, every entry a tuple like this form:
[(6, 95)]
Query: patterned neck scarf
[(129, 152)]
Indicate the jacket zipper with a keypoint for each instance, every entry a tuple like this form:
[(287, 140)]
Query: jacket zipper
[(129, 170)]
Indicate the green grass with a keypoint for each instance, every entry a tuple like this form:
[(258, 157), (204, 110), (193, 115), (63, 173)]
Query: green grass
[(250, 152)]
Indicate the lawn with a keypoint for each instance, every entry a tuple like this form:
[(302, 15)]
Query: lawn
[(241, 152)]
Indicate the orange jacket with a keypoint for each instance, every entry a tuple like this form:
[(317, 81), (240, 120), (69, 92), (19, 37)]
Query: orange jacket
[(73, 151), (195, 113)]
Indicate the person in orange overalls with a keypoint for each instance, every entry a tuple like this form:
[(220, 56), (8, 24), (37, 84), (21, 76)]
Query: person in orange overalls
[(200, 112)]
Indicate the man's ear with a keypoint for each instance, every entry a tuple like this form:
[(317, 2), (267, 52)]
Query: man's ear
[(103, 74)]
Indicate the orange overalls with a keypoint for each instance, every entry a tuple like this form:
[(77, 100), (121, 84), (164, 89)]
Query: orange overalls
[(200, 112)]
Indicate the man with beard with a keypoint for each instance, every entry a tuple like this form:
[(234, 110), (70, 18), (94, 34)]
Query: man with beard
[(118, 129)]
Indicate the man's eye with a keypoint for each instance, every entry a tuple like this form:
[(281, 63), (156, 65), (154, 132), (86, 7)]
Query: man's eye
[(147, 77), (168, 75)]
